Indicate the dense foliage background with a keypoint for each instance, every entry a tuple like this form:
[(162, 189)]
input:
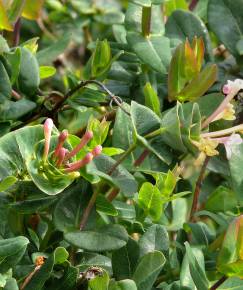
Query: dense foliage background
[(121, 157)]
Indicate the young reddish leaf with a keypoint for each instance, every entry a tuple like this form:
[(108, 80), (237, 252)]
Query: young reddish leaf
[(191, 68), (176, 77), (199, 49), (230, 258), (199, 85)]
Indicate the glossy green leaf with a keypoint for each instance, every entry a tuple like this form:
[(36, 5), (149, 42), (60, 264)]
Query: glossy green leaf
[(124, 260), (151, 99), (233, 19), (154, 239), (29, 78), (148, 269), (150, 200), (120, 177), (184, 24), (104, 206), (197, 272), (11, 252), (107, 238), (5, 89), (153, 51), (123, 285)]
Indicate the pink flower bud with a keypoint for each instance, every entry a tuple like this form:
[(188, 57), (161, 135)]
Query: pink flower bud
[(79, 164), (61, 155), (85, 139), (48, 125), (97, 150), (61, 139), (226, 89)]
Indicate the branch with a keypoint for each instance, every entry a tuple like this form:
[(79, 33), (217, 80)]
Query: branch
[(113, 98), (141, 158), (16, 32), (198, 187), (29, 277), (219, 282), (87, 211)]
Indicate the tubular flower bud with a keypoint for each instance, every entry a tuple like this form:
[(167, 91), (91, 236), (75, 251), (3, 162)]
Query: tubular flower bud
[(230, 89), (85, 139), (61, 139), (61, 155), (48, 125), (79, 164), (97, 150)]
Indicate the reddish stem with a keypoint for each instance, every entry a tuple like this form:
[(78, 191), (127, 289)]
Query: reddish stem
[(219, 282), (198, 187), (193, 4), (141, 158)]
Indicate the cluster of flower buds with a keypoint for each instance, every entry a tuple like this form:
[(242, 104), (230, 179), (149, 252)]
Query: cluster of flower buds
[(229, 138), (62, 156)]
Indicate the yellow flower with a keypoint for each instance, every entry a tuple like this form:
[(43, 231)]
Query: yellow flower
[(207, 146)]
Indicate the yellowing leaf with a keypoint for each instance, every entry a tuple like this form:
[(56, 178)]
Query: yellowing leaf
[(4, 22), (32, 9)]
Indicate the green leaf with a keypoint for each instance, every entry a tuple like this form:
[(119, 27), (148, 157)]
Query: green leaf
[(104, 206), (148, 3), (222, 199), (123, 285), (11, 252), (148, 269), (153, 51), (124, 260), (120, 177), (154, 239), (233, 19), (47, 55), (69, 209), (5, 89), (3, 45), (100, 282), (172, 5), (33, 205), (235, 164), (46, 71), (150, 200), (111, 151), (29, 78), (14, 58), (197, 272), (231, 284), (7, 182), (199, 85), (133, 19), (151, 99), (107, 238), (11, 285), (184, 24)]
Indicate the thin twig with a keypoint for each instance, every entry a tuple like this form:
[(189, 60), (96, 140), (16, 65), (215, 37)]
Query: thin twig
[(219, 282), (87, 211), (141, 158), (122, 158), (29, 277), (113, 194), (115, 99), (198, 187)]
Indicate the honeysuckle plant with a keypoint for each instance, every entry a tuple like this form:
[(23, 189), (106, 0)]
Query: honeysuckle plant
[(121, 150)]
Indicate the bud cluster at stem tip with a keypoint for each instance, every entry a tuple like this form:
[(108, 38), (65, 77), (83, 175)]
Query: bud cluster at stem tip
[(61, 155)]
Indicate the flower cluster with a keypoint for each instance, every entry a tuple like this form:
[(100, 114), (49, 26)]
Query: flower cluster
[(62, 156), (229, 137)]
